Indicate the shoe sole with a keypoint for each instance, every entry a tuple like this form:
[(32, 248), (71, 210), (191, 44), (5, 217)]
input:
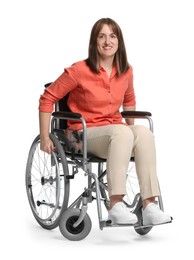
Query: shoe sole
[(157, 222)]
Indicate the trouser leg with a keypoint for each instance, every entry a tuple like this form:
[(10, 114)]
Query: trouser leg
[(145, 160), (115, 143)]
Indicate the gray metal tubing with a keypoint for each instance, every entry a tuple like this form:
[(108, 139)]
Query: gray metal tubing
[(160, 197), (99, 208), (76, 203), (85, 160), (151, 125), (150, 121)]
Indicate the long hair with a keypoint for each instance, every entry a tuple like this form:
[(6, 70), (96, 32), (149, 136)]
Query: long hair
[(120, 59)]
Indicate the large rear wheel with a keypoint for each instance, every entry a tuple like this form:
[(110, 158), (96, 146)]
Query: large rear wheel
[(46, 183)]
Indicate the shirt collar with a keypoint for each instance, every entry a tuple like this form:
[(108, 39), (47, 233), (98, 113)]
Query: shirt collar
[(114, 70)]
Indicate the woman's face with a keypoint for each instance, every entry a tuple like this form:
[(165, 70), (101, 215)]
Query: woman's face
[(107, 42)]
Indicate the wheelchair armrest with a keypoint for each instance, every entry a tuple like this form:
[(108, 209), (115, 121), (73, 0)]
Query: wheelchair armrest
[(139, 114), (63, 114), (135, 114)]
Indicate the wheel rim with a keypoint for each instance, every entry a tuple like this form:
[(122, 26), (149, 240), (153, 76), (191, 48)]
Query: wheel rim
[(74, 230), (43, 183)]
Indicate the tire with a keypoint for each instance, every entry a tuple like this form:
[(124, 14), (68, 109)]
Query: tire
[(46, 184), (68, 218), (140, 229)]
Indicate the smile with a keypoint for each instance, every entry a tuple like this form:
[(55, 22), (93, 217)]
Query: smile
[(107, 47)]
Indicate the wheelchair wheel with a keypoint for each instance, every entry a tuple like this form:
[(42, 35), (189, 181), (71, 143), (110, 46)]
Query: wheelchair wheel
[(140, 229), (46, 184), (133, 198), (69, 217)]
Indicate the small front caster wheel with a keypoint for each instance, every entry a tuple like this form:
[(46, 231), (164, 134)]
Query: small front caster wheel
[(68, 218)]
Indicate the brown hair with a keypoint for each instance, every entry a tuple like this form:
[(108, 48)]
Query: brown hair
[(120, 56)]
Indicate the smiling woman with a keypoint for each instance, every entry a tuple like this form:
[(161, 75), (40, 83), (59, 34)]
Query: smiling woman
[(98, 87), (39, 39)]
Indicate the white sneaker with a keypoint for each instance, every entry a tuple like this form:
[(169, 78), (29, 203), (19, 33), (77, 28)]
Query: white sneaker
[(152, 215), (120, 214)]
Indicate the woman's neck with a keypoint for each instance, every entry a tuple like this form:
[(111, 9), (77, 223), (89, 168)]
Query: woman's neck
[(107, 64)]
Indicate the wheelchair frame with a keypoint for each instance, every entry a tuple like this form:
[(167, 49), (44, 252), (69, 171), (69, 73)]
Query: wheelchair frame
[(52, 209)]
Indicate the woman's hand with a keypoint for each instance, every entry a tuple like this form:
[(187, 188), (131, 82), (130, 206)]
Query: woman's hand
[(46, 145)]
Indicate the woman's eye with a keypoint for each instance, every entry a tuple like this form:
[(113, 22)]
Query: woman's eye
[(102, 36)]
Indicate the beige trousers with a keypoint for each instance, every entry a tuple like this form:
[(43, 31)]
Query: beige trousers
[(116, 143)]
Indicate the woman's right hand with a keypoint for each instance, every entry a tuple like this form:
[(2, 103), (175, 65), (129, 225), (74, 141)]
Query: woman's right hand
[(46, 145)]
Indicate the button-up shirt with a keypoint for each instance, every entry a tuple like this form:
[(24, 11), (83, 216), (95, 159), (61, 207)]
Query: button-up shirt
[(97, 97)]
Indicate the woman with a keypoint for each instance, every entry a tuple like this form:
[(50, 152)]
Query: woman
[(98, 87)]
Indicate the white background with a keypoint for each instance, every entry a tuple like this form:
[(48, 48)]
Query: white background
[(37, 40)]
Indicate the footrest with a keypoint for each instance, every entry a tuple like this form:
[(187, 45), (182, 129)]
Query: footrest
[(148, 226), (108, 223)]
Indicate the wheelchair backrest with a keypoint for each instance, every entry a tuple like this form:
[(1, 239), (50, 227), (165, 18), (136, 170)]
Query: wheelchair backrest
[(61, 105)]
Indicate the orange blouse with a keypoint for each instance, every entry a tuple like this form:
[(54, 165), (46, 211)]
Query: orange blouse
[(95, 96)]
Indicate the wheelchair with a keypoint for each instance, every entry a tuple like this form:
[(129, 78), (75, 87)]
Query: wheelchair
[(48, 178)]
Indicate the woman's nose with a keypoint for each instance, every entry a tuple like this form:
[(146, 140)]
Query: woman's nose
[(107, 39)]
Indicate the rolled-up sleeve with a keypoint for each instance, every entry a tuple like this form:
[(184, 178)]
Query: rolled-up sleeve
[(58, 89), (129, 97)]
